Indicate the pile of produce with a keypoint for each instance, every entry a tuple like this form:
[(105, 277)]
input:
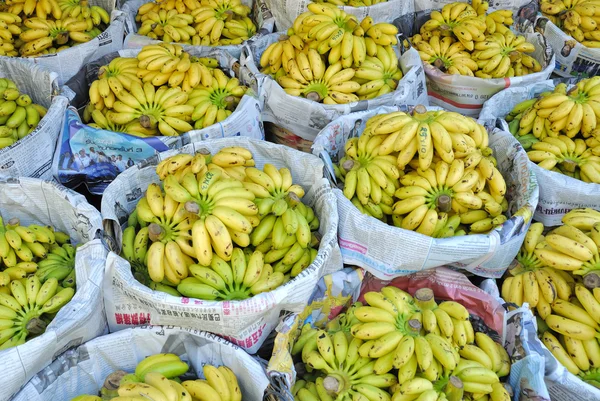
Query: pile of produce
[(329, 57), (578, 19), (31, 28), (462, 39), (163, 91), (352, 3), (558, 275), (37, 278), (429, 171), (198, 23), (19, 116), (157, 378), (560, 129), (396, 347), (220, 228)]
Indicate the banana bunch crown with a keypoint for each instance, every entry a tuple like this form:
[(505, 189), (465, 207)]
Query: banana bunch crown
[(429, 171), (26, 310), (183, 234)]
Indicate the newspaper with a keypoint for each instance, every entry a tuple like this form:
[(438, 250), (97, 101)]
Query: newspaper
[(344, 287), (306, 118), (369, 243), (558, 193), (285, 12), (41, 85), (68, 62), (246, 323), (261, 16), (47, 203), (114, 152), (83, 370)]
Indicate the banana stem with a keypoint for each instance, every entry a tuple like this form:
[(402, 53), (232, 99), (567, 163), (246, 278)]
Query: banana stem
[(591, 280), (414, 326), (332, 385), (192, 207), (36, 326), (314, 96), (454, 389), (348, 165), (424, 299), (419, 109), (113, 381), (229, 102), (443, 203), (155, 232), (203, 151), (292, 199), (14, 222)]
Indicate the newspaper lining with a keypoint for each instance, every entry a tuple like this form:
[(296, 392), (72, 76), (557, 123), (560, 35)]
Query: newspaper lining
[(261, 16), (558, 193), (306, 118), (246, 323), (42, 202), (366, 242), (83, 370)]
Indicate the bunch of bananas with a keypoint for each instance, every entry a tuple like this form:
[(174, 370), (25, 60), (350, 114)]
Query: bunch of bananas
[(328, 57), (28, 308), (198, 23), (32, 28), (560, 129), (157, 378), (461, 39), (430, 171), (164, 91), (222, 229), (18, 115), (34, 249), (571, 332), (352, 3), (400, 348), (578, 18), (534, 282)]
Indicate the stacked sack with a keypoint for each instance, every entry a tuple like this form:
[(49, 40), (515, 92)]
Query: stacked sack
[(558, 275), (399, 347), (51, 272), (158, 362), (557, 125), (227, 24), (428, 171), (223, 230), (30, 113), (332, 57), (466, 45)]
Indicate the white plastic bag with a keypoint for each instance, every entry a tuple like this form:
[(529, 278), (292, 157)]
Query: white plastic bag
[(387, 252), (559, 193), (32, 155), (41, 202), (306, 118), (83, 370), (248, 322), (261, 16)]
